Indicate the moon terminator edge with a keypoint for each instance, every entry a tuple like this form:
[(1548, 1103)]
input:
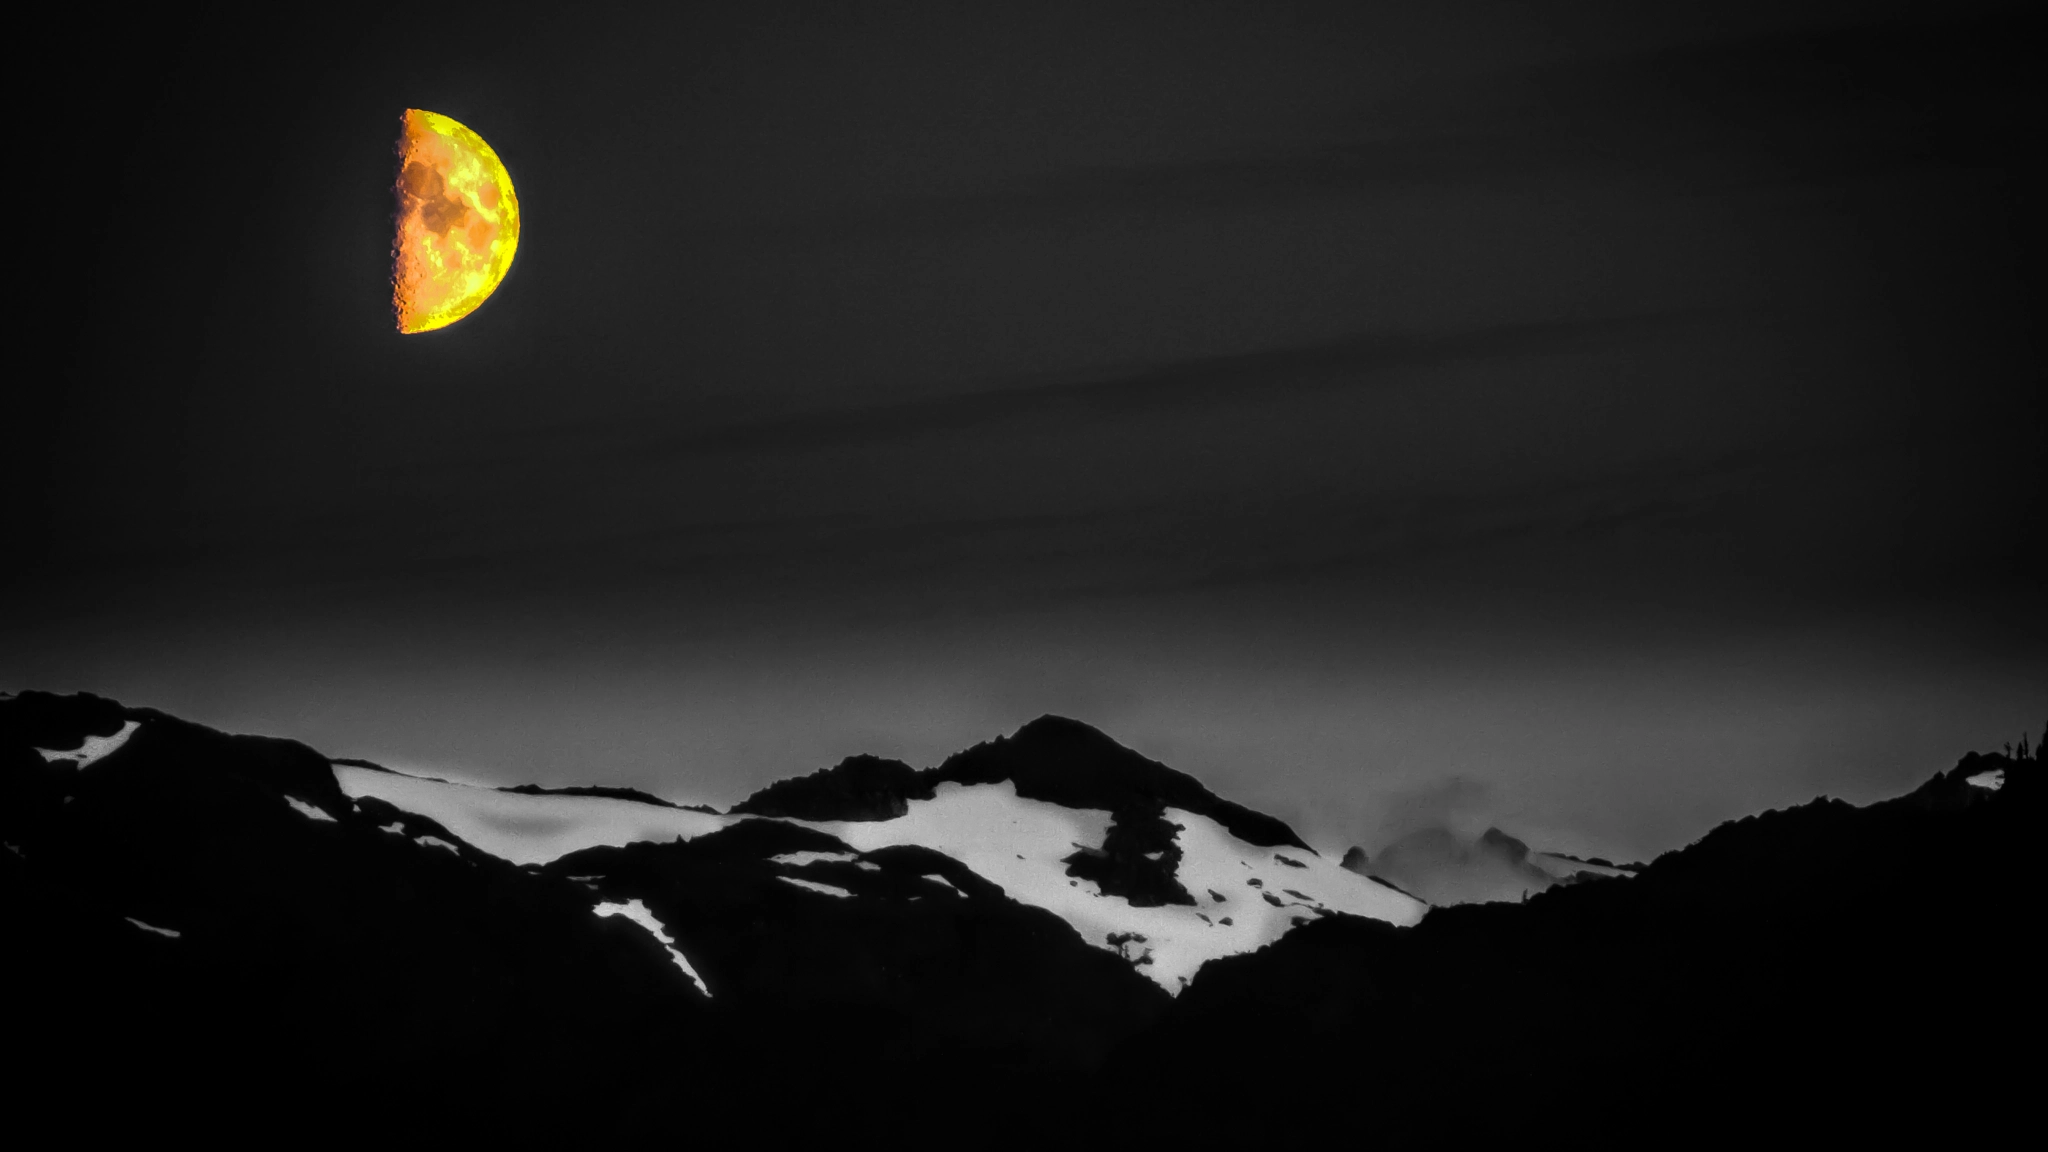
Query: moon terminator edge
[(456, 223)]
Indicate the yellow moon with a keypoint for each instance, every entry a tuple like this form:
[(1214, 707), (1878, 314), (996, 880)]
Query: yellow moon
[(457, 223)]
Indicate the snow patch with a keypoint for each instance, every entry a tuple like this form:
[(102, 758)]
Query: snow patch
[(395, 828), (799, 859), (525, 828), (1565, 866), (171, 933), (1991, 781), (1020, 845), (938, 879), (637, 912), (813, 885), (308, 810), (94, 749), (436, 842)]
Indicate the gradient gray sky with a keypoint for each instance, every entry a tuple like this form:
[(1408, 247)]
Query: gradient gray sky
[(1626, 411)]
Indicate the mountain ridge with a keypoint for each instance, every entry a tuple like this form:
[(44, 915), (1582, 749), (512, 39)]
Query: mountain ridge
[(1052, 758), (194, 908)]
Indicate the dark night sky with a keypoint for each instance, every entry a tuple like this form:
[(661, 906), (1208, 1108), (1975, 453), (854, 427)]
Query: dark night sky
[(1602, 417)]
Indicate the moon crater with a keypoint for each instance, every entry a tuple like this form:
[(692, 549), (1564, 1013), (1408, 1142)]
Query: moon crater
[(457, 223)]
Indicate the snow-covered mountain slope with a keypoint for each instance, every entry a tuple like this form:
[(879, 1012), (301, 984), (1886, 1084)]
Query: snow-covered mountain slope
[(92, 749), (637, 912), (1241, 896), (1247, 895), (525, 827), (196, 908)]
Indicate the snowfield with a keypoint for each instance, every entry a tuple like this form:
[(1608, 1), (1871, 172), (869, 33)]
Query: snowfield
[(307, 810), (1246, 896), (637, 912), (813, 885), (800, 859), (93, 749), (527, 829), (1020, 846)]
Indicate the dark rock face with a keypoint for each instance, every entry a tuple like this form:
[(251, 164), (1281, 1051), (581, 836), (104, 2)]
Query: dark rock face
[(1068, 763), (1818, 960), (1138, 861), (1052, 758), (857, 788), (177, 922), (608, 793), (1056, 760), (919, 971)]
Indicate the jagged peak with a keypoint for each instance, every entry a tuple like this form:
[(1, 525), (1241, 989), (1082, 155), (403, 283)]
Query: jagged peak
[(861, 787), (1067, 762), (1054, 727), (1514, 847)]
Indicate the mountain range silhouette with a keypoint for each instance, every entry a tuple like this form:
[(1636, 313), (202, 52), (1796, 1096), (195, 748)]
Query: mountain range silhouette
[(236, 935)]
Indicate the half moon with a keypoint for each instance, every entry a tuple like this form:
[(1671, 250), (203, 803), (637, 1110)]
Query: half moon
[(457, 223)]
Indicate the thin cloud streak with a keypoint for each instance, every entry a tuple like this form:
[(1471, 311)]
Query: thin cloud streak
[(1365, 360)]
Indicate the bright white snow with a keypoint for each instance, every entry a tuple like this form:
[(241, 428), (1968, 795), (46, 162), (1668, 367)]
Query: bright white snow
[(395, 828), (1017, 844), (1020, 844), (813, 885), (307, 810), (528, 829), (170, 932), (637, 912), (935, 878), (94, 748), (1993, 780), (799, 859), (436, 842)]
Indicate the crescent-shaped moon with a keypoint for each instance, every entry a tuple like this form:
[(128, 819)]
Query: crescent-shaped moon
[(457, 223)]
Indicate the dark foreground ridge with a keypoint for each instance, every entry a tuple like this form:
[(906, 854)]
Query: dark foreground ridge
[(207, 936)]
